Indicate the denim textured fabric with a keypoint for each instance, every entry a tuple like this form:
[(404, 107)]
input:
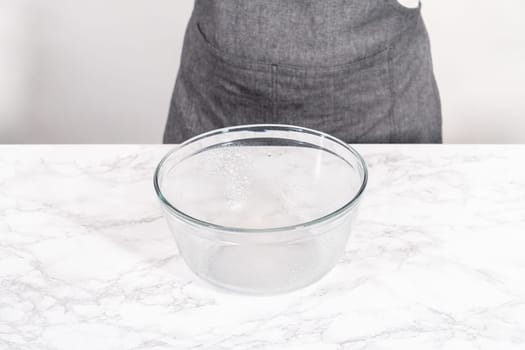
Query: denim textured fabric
[(360, 70)]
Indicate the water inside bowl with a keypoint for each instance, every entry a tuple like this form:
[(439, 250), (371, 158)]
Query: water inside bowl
[(260, 187)]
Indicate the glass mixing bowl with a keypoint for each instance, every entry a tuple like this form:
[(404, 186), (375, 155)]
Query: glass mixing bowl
[(261, 209)]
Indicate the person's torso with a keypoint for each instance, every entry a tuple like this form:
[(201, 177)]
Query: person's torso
[(301, 32)]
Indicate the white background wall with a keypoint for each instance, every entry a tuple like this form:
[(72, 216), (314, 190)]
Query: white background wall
[(102, 71)]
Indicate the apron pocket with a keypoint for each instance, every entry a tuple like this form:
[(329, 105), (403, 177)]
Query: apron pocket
[(352, 102)]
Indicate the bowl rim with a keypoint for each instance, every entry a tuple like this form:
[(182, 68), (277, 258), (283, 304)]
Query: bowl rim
[(241, 230)]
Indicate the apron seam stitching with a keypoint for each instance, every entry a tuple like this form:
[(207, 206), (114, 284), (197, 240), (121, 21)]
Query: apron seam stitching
[(392, 95), (273, 93)]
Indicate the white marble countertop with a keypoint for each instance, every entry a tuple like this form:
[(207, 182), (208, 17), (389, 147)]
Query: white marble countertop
[(436, 260)]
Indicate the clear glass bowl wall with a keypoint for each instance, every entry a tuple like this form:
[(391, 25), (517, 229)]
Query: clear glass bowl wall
[(261, 209)]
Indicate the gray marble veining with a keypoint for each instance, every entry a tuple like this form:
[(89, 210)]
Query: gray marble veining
[(436, 260)]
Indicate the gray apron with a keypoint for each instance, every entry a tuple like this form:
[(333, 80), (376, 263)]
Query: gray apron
[(360, 70)]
